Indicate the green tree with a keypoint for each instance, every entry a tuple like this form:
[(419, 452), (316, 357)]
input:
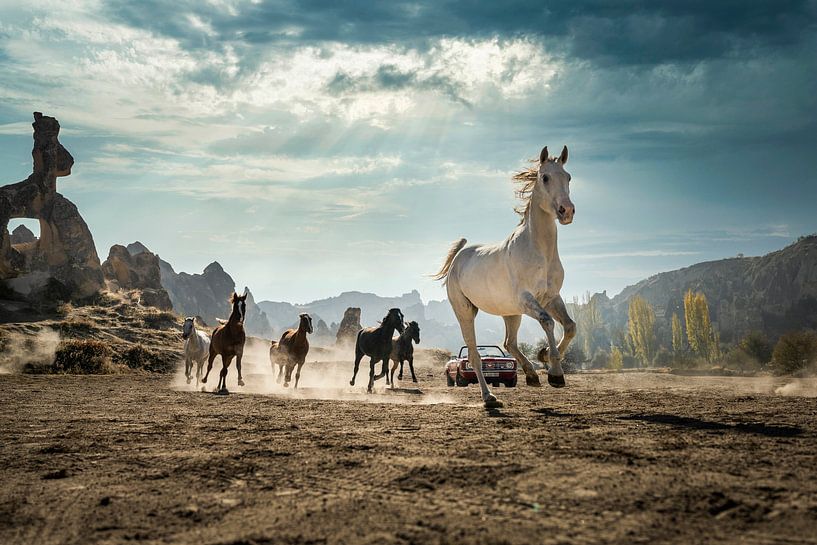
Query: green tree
[(795, 352), (616, 361), (677, 334), (702, 339), (641, 329)]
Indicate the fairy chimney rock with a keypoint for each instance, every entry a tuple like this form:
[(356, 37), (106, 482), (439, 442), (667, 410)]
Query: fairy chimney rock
[(63, 263)]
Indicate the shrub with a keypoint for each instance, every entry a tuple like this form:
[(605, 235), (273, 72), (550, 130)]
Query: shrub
[(601, 360), (139, 357), (159, 320), (616, 361), (757, 346), (795, 352), (663, 358), (82, 357)]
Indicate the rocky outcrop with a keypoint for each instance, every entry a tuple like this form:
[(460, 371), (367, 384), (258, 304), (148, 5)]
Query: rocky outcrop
[(206, 295), (22, 235), (63, 263), (136, 268), (349, 326)]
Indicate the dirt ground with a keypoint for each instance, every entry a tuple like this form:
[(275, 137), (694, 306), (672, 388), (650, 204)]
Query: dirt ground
[(612, 458)]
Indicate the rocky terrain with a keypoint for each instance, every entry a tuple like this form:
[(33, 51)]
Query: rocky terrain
[(63, 262), (126, 269)]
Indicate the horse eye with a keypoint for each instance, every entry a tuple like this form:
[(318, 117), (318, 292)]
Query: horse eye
[(545, 179)]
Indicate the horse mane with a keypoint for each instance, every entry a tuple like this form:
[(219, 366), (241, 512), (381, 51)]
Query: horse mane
[(525, 181)]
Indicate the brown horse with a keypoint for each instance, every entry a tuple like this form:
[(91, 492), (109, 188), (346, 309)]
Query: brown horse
[(402, 350), (375, 342), (291, 350), (228, 341)]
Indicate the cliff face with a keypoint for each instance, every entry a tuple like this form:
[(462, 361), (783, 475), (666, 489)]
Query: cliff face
[(135, 268), (774, 293), (206, 295)]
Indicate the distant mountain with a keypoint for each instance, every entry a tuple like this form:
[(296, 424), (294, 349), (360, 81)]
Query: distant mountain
[(773, 293), (207, 295)]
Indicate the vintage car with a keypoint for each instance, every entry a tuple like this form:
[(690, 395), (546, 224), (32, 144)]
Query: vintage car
[(497, 367)]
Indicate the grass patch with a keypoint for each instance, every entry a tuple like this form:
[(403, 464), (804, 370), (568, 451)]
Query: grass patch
[(82, 357), (145, 359), (159, 319)]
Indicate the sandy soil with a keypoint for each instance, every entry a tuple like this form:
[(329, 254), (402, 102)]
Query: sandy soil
[(634, 458)]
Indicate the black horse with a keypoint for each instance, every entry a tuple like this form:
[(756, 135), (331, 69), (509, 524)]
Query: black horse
[(402, 350), (375, 342)]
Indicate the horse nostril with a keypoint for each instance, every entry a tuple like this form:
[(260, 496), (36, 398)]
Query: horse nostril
[(562, 210)]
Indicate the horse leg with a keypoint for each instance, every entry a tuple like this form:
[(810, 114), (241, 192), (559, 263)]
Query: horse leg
[(358, 357), (238, 366), (298, 374), (199, 367), (288, 376), (556, 376), (512, 324), (558, 310), (210, 359), (400, 376), (393, 369), (411, 367), (465, 312), (188, 368), (225, 365), (371, 375), (383, 370)]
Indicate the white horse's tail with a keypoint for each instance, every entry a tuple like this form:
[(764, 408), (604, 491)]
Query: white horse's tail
[(455, 248)]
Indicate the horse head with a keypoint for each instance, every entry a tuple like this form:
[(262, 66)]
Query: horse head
[(188, 327), (395, 319), (306, 323), (552, 190), (413, 330), (239, 303)]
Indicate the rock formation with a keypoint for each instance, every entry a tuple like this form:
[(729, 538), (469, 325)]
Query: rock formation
[(22, 235), (206, 295), (135, 268), (349, 326), (63, 262)]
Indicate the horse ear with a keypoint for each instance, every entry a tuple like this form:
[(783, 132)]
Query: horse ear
[(544, 155), (563, 156)]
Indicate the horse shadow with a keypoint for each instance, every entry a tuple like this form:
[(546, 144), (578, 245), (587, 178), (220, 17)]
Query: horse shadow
[(700, 424), (547, 411)]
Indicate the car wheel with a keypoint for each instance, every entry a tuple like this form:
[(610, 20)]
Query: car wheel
[(461, 381), (511, 383), (449, 380)]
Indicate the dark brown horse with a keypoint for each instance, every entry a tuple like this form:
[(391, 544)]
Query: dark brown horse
[(228, 342), (402, 350), (291, 350), (375, 342)]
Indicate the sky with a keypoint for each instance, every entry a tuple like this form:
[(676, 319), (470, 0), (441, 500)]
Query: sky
[(317, 147)]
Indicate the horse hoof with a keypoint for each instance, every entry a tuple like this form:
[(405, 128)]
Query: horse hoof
[(399, 377), (414, 380), (351, 383), (240, 382), (286, 385), (491, 402), (533, 380), (222, 392), (557, 381), (189, 380)]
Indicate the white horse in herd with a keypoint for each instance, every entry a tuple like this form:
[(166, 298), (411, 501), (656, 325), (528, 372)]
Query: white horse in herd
[(196, 349), (520, 275)]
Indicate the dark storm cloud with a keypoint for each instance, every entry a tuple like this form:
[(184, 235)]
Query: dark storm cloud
[(388, 77), (627, 32)]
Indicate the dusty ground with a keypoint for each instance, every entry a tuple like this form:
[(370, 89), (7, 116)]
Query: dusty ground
[(611, 459)]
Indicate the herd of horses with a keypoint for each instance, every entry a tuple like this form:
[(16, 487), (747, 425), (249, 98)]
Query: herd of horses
[(289, 353), (522, 275)]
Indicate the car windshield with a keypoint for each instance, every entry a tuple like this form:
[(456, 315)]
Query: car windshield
[(484, 352)]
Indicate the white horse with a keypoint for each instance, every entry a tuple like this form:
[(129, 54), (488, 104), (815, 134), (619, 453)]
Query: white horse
[(196, 349), (520, 275)]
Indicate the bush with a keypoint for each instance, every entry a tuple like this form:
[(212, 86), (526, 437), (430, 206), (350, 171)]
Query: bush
[(139, 357), (601, 360), (82, 357), (160, 320), (795, 352), (663, 358), (757, 346)]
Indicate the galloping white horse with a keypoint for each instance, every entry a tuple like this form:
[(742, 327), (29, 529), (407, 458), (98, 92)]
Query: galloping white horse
[(520, 275), (196, 349)]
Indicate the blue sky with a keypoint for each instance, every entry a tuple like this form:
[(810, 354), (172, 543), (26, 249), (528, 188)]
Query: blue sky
[(315, 147)]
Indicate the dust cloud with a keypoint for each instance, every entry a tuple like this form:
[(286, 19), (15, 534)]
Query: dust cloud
[(325, 376), (20, 350)]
